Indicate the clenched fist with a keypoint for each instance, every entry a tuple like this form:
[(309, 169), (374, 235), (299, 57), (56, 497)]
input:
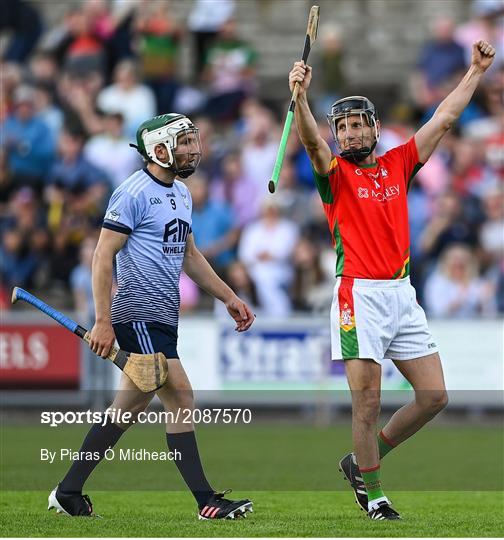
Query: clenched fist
[(482, 55), (302, 74)]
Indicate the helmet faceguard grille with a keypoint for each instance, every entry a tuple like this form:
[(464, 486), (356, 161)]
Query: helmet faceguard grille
[(186, 161), (181, 139), (351, 106)]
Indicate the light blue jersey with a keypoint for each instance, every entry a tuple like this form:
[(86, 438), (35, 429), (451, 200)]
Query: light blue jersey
[(157, 218)]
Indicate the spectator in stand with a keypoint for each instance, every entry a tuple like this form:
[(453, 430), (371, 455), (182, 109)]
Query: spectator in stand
[(454, 289), (17, 262), (100, 19), (213, 224), (127, 95), (77, 97), (308, 275), (74, 214), (24, 215), (213, 148), (205, 20), (23, 20), (44, 70), (266, 248), (291, 195), (47, 110), (447, 226), (441, 58), (315, 227), (238, 278), (80, 49), (80, 281), (76, 196), (472, 113), (260, 146), (491, 237), (242, 284), (331, 58), (470, 176), (434, 176), (238, 190), (7, 187), (229, 73), (159, 35), (110, 151), (190, 294), (120, 44), (11, 79), (301, 162), (499, 288), (493, 102), (419, 214), (488, 132), (72, 170), (492, 247), (63, 258), (27, 141), (23, 212), (396, 129), (486, 23)]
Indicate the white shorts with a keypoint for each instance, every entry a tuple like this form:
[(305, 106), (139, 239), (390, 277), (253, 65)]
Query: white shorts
[(378, 319)]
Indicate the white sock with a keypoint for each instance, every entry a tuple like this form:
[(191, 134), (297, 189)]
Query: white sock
[(373, 504)]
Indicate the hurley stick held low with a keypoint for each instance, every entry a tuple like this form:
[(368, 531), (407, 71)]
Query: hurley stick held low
[(311, 34), (147, 371)]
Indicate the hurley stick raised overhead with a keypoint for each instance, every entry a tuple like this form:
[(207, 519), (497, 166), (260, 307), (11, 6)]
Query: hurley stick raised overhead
[(311, 34)]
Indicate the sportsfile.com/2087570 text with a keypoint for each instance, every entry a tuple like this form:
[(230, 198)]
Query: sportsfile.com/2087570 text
[(119, 416)]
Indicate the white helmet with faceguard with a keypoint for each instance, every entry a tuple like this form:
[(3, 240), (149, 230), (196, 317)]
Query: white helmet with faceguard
[(350, 106), (169, 130)]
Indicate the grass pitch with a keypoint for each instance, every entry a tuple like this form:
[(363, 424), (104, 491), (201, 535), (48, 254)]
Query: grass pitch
[(296, 514), (446, 481)]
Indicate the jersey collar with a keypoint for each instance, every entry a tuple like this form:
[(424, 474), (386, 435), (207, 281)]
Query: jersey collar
[(368, 166), (164, 184)]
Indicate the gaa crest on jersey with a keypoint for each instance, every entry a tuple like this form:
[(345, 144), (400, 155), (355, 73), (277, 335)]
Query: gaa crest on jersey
[(347, 318), (363, 193)]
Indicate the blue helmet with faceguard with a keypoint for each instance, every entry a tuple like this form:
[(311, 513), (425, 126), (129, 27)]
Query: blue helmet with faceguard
[(350, 106)]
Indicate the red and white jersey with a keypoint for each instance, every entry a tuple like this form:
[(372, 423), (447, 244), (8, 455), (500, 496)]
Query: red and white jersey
[(367, 211)]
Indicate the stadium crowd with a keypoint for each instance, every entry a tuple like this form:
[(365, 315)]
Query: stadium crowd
[(73, 95)]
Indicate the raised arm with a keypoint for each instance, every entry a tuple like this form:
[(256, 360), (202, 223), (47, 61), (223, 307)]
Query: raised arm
[(428, 136), (317, 148)]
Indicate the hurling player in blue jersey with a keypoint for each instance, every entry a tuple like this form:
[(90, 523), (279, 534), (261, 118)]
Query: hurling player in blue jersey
[(147, 229)]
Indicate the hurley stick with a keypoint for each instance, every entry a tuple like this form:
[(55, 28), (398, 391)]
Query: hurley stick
[(147, 371), (311, 34)]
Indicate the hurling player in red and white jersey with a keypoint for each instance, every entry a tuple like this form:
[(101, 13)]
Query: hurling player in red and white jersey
[(374, 313)]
